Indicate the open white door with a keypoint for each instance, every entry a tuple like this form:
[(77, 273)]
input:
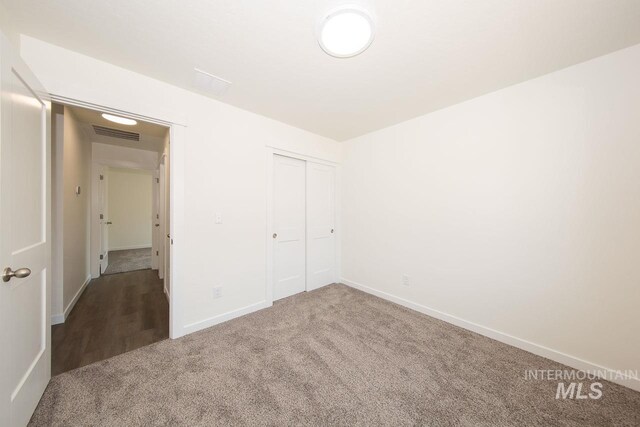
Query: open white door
[(321, 244), (25, 324), (103, 203)]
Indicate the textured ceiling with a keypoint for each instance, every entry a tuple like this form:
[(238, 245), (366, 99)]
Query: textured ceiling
[(427, 54), (151, 135)]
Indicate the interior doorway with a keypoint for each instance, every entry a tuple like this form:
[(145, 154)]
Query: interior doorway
[(108, 292), (127, 222)]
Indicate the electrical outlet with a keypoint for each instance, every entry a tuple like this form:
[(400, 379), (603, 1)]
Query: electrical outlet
[(405, 280), (217, 292)]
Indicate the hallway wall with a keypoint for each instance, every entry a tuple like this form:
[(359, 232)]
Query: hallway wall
[(72, 162)]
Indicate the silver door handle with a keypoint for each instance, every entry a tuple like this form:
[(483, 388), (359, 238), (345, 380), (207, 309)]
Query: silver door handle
[(332, 231), (8, 274)]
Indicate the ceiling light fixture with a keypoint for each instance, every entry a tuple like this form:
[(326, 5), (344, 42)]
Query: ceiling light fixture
[(346, 31), (118, 119)]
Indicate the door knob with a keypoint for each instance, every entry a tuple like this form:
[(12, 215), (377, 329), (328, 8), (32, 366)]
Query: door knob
[(332, 231), (275, 235), (20, 273), (157, 225)]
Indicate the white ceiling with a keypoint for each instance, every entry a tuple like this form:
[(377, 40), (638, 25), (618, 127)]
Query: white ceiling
[(427, 54), (151, 135)]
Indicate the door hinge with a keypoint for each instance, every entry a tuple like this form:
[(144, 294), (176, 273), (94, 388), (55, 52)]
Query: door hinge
[(101, 216), (157, 181), (157, 253), (101, 177), (101, 257), (157, 216)]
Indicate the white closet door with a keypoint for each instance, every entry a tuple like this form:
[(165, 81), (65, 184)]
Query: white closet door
[(321, 248), (289, 226)]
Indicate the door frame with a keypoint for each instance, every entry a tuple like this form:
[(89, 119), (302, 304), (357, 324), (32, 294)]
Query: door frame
[(271, 151), (176, 191), (155, 231), (98, 168)]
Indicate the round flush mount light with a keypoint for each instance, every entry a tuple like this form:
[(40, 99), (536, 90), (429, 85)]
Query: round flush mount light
[(346, 31), (120, 120)]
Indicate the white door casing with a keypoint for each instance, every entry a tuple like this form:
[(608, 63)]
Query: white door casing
[(25, 324), (289, 238), (155, 220), (163, 225), (167, 225), (321, 242), (103, 203)]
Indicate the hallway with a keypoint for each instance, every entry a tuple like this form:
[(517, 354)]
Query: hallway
[(115, 314)]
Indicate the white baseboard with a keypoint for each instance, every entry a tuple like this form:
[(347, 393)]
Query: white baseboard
[(56, 319), (203, 324), (124, 248), (557, 356)]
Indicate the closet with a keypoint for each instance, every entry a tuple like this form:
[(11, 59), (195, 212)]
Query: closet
[(304, 244)]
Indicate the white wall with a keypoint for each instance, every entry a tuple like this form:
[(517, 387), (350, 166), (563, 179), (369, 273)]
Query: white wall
[(124, 157), (219, 167), (129, 206), (8, 27), (517, 211), (71, 165)]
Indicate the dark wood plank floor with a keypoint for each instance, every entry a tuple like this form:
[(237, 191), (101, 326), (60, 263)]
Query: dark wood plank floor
[(115, 314)]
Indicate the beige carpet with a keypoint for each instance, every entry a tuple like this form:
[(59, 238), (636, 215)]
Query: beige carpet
[(335, 356), (128, 260)]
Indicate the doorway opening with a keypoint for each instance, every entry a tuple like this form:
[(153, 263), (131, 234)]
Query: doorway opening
[(110, 215), (128, 222)]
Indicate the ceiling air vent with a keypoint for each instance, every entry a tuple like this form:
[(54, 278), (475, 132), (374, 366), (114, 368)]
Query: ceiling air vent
[(116, 133)]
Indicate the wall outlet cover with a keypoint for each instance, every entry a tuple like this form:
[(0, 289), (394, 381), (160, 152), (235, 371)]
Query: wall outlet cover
[(217, 292), (405, 280)]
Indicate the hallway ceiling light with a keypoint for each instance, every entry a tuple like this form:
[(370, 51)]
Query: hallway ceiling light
[(118, 119), (346, 31)]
